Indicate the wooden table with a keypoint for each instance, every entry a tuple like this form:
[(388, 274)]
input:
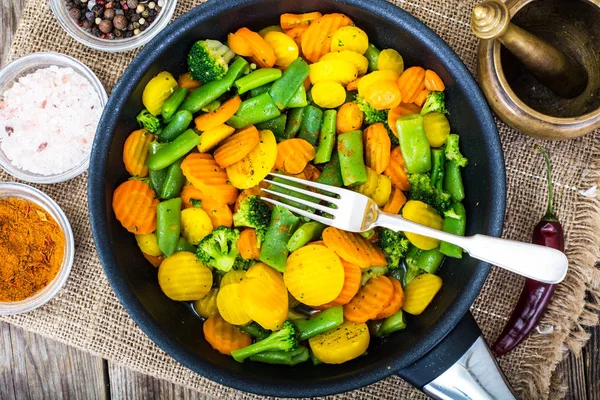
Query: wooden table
[(33, 367)]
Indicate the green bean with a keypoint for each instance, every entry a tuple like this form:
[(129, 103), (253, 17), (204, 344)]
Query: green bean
[(453, 182), (273, 251), (332, 173), (174, 181), (430, 260), (392, 324), (184, 245), (256, 110), (311, 124), (260, 90), (208, 93), (306, 233), (320, 322), (157, 178), (438, 160), (414, 144), (367, 234), (285, 88), (297, 356), (327, 139), (212, 106), (257, 78), (173, 151), (292, 203), (173, 102), (294, 122), (352, 164), (179, 123), (168, 225), (456, 226), (255, 330), (299, 99), (372, 54), (275, 125)]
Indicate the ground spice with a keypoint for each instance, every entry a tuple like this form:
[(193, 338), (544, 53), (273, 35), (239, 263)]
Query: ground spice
[(31, 249)]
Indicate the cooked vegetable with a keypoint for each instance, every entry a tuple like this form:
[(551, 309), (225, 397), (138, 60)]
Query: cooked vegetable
[(174, 181), (314, 275), (223, 336), (239, 45), (257, 78), (411, 82), (178, 124), (208, 60), (191, 196), (377, 147), (370, 300), (423, 214), (233, 276), (352, 279), (341, 344), (293, 155), (255, 166), (236, 147), (283, 89), (186, 81), (316, 40), (248, 245), (182, 277), (209, 139), (157, 177), (328, 94), (254, 329), (421, 97), (371, 115), (414, 144), (423, 189), (340, 71), (253, 111), (296, 34), (274, 251), (350, 38), (157, 91), (438, 166), (456, 223), (350, 151), (148, 244), (349, 246), (195, 225), (211, 120), (327, 137), (253, 213), (395, 202), (275, 125), (297, 356), (392, 324), (136, 151), (453, 182), (229, 301), (148, 121), (372, 54), (262, 54), (134, 204), (400, 111), (382, 94), (390, 60), (311, 124), (349, 118), (435, 102), (437, 128), (173, 103), (168, 225), (299, 99), (352, 57), (420, 292), (395, 304), (320, 322), (377, 187), (332, 173), (393, 245), (173, 151), (433, 82), (184, 245), (219, 250), (204, 173), (282, 340), (286, 50), (290, 21), (206, 307)]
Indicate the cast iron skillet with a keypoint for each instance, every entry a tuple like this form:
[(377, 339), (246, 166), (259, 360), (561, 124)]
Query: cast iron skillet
[(174, 328)]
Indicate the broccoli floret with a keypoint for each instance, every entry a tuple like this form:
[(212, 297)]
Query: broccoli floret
[(219, 250), (372, 272), (421, 188), (436, 101), (148, 121), (281, 340), (393, 245), (208, 60), (453, 151), (253, 213), (372, 115), (412, 270)]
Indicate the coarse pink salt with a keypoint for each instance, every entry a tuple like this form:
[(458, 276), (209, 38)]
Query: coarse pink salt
[(48, 120)]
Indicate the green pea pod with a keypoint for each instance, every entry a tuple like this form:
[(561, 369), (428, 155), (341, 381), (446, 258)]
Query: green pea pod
[(174, 181), (332, 173), (299, 99), (414, 144), (180, 122), (310, 128), (157, 178), (430, 260), (352, 164), (315, 360), (173, 102), (174, 151), (254, 111), (306, 233), (273, 251), (294, 121), (184, 245), (208, 93), (260, 90), (284, 88), (297, 356), (212, 106), (168, 225), (257, 79), (255, 330), (327, 137), (321, 322), (275, 125), (292, 203), (392, 324), (438, 161), (372, 54), (453, 182), (456, 226)]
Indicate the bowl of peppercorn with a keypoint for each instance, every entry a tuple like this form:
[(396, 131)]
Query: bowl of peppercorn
[(113, 25)]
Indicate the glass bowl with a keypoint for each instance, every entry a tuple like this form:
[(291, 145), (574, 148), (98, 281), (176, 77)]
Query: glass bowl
[(26, 65), (59, 8), (26, 192)]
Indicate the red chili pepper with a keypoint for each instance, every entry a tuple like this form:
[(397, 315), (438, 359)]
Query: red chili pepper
[(535, 296)]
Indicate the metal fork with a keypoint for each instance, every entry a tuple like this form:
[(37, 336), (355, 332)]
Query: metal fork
[(354, 212)]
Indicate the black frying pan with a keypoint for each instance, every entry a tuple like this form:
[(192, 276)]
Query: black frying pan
[(419, 353)]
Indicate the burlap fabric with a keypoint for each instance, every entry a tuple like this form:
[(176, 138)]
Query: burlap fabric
[(87, 315)]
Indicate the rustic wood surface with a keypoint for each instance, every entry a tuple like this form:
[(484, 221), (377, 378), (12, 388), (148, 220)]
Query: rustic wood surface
[(32, 367)]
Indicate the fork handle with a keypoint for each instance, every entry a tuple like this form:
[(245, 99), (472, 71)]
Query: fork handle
[(540, 263)]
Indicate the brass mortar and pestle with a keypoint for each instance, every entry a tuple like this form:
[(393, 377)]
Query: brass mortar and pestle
[(539, 64)]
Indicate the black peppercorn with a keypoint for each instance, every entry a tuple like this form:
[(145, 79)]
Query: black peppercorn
[(120, 22), (86, 24), (134, 17), (105, 26), (109, 13)]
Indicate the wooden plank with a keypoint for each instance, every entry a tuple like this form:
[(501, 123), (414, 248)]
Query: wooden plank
[(126, 384), (6, 356), (591, 356), (10, 10), (573, 370)]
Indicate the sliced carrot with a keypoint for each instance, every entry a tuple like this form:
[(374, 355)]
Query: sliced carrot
[(219, 213), (400, 111), (134, 204), (136, 152), (353, 85), (411, 82), (421, 97), (213, 119), (370, 300), (290, 21), (237, 146), (433, 82), (293, 155), (310, 173), (186, 81), (261, 51), (239, 45), (248, 245), (348, 245), (376, 256), (377, 147), (296, 34), (397, 170), (352, 278), (396, 201), (154, 260), (189, 193), (316, 40), (395, 304), (204, 173), (223, 336)]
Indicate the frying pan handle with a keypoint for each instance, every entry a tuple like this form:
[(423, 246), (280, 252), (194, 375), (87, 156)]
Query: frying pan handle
[(460, 367)]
